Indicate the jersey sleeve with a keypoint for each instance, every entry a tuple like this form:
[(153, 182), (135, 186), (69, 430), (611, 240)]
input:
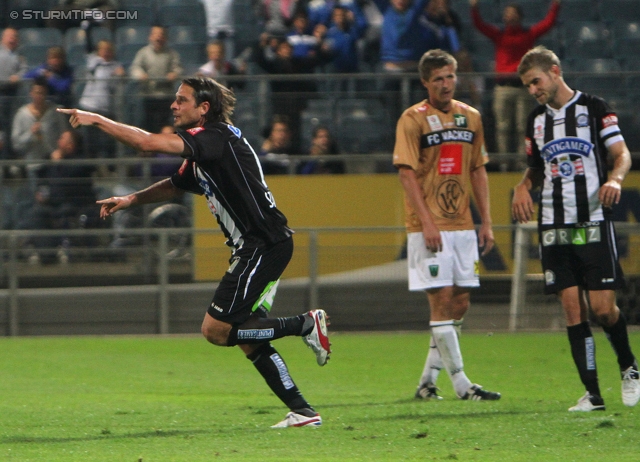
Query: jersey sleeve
[(185, 178), (479, 154), (534, 159), (407, 147), (606, 122), (202, 144)]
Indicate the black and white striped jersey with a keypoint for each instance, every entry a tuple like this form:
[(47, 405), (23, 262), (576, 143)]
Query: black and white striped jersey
[(571, 145), (221, 164)]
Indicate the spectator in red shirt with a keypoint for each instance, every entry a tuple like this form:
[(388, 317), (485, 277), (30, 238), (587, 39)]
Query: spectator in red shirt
[(511, 101)]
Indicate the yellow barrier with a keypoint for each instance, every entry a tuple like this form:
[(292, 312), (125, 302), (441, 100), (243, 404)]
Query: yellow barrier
[(319, 201)]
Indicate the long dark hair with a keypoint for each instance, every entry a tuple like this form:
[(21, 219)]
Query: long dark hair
[(221, 100)]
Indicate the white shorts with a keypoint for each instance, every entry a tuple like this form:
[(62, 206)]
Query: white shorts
[(457, 264)]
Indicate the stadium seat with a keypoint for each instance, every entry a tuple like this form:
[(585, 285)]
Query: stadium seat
[(359, 107), (162, 3), (481, 46), (578, 10), (629, 124), (187, 35), (631, 63), (40, 37), (633, 87), (76, 55), (132, 35), (77, 36), (126, 53), (488, 10), (318, 112), (612, 10), (597, 65), (363, 135), (606, 86), (133, 4), (245, 117), (33, 54), (362, 125), (587, 39), (182, 15), (626, 38), (483, 64), (141, 15), (191, 54)]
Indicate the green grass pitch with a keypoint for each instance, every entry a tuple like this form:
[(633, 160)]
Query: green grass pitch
[(170, 398)]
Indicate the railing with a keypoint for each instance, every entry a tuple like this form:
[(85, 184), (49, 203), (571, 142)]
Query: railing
[(396, 92), (159, 262)]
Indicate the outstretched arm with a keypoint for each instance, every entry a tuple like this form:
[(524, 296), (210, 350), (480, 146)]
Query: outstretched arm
[(135, 137), (161, 191)]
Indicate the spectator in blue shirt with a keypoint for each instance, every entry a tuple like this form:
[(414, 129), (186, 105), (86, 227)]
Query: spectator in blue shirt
[(440, 27), (340, 41), (58, 73), (321, 12), (303, 43), (402, 41)]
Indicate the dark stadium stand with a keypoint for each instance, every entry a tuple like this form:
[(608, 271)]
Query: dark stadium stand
[(591, 36)]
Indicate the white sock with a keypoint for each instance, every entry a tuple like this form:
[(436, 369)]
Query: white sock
[(432, 365), (446, 339)]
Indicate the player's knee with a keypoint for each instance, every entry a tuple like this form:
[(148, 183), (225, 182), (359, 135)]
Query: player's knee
[(606, 316), (214, 334), (459, 309)]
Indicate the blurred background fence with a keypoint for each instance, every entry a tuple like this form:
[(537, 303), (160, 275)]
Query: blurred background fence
[(151, 285)]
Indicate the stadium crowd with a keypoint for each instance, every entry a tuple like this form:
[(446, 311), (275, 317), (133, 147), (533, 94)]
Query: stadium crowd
[(125, 58)]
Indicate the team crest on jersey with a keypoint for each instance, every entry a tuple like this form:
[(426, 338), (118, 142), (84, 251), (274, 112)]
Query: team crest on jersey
[(460, 120), (195, 130), (582, 120), (448, 197), (539, 132), (235, 130), (434, 123)]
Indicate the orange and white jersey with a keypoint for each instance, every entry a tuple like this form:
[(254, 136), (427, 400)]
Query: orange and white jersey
[(442, 148)]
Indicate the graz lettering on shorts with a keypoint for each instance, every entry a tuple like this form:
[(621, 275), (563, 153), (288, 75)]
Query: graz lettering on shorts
[(282, 370), (448, 197), (571, 236), (452, 134), (257, 334)]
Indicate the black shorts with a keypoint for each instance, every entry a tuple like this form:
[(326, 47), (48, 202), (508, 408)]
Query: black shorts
[(251, 282), (585, 256)]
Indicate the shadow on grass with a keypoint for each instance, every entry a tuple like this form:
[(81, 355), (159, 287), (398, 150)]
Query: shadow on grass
[(107, 436)]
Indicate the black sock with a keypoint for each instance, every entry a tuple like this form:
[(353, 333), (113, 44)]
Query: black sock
[(583, 350), (272, 367), (260, 330), (619, 339)]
